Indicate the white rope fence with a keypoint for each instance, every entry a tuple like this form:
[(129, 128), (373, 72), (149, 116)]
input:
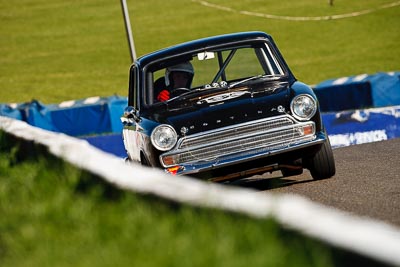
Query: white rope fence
[(368, 237), (294, 18)]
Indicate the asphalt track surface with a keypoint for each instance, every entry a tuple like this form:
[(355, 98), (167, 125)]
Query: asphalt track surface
[(367, 182)]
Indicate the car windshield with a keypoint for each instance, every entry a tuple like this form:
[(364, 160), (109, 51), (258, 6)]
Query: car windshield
[(219, 67)]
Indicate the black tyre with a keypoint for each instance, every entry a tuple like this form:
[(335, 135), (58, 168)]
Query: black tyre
[(144, 161), (322, 165)]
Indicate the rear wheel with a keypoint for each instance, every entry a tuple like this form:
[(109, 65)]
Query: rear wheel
[(322, 165)]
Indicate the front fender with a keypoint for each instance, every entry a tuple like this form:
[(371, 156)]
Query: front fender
[(150, 153), (299, 88)]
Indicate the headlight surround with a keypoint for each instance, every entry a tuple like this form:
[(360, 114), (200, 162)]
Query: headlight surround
[(303, 107), (164, 137)]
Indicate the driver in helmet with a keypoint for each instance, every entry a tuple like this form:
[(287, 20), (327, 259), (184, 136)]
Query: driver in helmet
[(177, 76)]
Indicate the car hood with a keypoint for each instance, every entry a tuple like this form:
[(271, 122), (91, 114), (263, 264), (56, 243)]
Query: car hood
[(219, 108)]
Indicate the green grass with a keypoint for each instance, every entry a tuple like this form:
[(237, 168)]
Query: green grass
[(61, 50), (53, 214)]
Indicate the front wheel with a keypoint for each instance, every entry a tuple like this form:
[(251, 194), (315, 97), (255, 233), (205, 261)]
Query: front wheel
[(322, 165)]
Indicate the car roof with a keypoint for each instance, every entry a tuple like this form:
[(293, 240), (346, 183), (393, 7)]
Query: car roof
[(201, 43)]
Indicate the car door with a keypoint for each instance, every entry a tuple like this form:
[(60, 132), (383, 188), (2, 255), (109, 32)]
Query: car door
[(131, 118)]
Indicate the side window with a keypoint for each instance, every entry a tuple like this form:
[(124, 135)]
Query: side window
[(150, 75), (159, 74), (154, 83)]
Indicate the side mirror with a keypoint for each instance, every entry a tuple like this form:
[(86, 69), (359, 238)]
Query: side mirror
[(129, 112), (130, 115)]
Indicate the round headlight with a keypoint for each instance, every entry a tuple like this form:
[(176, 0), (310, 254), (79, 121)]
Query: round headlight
[(164, 137), (303, 107)]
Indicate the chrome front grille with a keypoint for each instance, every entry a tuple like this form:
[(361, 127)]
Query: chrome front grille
[(235, 132), (240, 140)]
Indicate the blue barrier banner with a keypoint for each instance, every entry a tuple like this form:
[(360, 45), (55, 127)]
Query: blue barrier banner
[(112, 144), (82, 120), (39, 115), (384, 91), (116, 106), (94, 115), (351, 96), (362, 126), (11, 111)]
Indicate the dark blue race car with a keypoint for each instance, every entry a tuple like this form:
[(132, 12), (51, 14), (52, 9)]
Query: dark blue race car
[(222, 108)]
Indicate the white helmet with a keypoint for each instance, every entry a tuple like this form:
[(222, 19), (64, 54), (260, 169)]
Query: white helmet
[(184, 67)]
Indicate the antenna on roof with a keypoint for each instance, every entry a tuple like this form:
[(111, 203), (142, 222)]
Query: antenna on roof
[(128, 30)]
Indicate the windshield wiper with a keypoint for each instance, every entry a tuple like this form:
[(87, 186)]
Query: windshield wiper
[(185, 94), (245, 80), (195, 91), (272, 77)]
